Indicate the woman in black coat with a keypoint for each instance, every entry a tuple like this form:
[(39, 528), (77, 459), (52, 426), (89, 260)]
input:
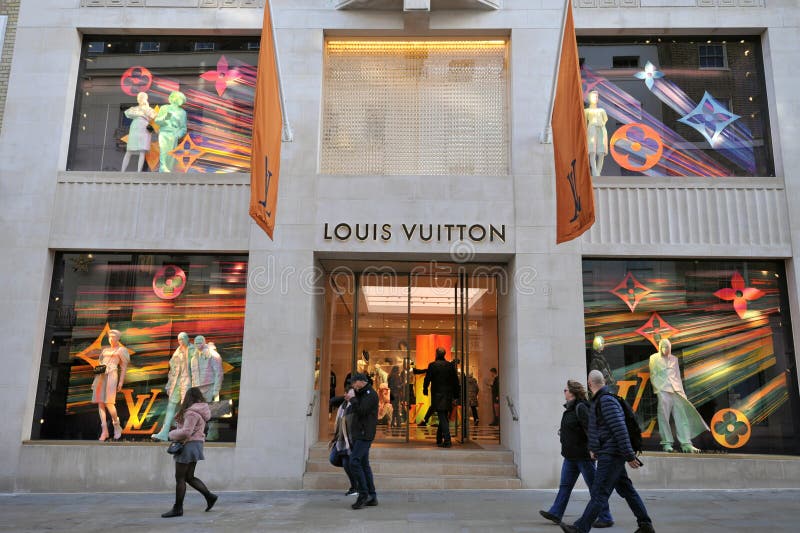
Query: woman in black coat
[(575, 450)]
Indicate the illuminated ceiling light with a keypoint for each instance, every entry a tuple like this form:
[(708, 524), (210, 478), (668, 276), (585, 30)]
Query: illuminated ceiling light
[(394, 46), (647, 41), (708, 41), (424, 300), (742, 41), (747, 52)]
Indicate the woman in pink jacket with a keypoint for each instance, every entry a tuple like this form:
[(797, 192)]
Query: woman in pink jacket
[(191, 421)]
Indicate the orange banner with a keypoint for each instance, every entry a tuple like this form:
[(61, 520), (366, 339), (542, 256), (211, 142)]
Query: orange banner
[(574, 195), (267, 126)]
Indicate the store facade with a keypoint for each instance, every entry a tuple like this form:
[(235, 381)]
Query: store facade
[(416, 211)]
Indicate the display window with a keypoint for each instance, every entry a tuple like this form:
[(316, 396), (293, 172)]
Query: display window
[(676, 106), (702, 351), (164, 104), (128, 333)]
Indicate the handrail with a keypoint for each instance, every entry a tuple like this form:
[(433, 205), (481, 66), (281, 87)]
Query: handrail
[(310, 409), (513, 409)]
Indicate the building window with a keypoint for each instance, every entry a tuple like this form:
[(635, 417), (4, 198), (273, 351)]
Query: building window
[(415, 107), (685, 107), (149, 299), (210, 81), (712, 56), (204, 46), (625, 62), (148, 47), (730, 330)]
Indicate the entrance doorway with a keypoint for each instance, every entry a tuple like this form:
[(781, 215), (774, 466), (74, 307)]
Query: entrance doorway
[(388, 321)]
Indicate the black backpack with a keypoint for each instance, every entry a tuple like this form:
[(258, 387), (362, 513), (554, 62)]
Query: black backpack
[(634, 431)]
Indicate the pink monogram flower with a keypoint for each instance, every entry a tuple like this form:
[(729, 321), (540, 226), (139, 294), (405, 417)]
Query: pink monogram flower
[(739, 294), (221, 76)]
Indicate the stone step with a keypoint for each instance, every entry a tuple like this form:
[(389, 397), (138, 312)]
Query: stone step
[(338, 481), (405, 468), (426, 454), (414, 467)]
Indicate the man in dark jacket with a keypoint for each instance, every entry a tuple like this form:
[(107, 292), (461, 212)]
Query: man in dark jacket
[(364, 406), (610, 444), (445, 388)]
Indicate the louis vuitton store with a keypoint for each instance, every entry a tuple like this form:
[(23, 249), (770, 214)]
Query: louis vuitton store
[(416, 211)]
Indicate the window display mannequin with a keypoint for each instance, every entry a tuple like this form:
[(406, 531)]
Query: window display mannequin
[(599, 362), (385, 407), (171, 120), (178, 382), (665, 375), (107, 384), (597, 136), (206, 375), (138, 136)]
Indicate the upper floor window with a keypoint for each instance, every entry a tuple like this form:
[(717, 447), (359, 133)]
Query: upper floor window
[(176, 104), (691, 106), (415, 107), (711, 56)]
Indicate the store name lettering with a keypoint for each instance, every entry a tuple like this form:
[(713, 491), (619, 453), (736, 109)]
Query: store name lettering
[(422, 232)]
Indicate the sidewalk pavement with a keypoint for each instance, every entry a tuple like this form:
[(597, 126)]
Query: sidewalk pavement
[(751, 511)]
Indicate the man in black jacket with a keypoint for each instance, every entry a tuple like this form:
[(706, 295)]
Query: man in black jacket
[(445, 388), (610, 444), (364, 406)]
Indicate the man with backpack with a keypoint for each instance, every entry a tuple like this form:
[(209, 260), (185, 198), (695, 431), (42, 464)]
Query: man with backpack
[(610, 444)]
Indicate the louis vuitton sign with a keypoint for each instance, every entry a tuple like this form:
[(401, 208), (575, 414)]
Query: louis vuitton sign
[(344, 231)]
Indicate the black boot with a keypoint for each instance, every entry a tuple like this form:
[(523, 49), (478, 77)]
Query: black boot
[(175, 511), (211, 499)]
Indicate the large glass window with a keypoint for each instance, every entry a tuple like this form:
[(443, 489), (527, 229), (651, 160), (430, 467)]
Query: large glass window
[(196, 113), (728, 325), (149, 299), (676, 106), (415, 107)]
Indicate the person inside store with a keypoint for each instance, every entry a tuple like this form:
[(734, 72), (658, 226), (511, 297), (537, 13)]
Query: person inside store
[(575, 451), (494, 384), (364, 404), (396, 395), (472, 396), (610, 445), (665, 377), (109, 376), (191, 424), (442, 379)]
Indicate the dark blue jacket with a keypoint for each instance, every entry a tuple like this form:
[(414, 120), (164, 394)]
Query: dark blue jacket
[(608, 433)]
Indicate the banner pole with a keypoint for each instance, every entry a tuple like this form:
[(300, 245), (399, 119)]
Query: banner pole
[(287, 134), (547, 134)]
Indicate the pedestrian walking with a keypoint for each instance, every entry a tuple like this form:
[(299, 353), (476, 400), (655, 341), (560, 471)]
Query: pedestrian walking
[(191, 424), (341, 442), (364, 404), (575, 451), (442, 379), (610, 444)]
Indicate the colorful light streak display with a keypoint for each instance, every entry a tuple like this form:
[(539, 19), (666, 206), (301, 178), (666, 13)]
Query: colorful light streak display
[(733, 367), (117, 292)]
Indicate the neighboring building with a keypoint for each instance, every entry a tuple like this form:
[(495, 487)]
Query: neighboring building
[(9, 12), (416, 210)]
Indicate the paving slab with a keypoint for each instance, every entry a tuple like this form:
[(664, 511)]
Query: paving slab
[(707, 511)]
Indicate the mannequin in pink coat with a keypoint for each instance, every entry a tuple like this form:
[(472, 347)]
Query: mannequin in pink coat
[(107, 384)]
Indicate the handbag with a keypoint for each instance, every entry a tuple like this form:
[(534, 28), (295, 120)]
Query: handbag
[(99, 369), (174, 448)]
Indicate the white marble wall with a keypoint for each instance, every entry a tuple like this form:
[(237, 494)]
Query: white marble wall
[(541, 319)]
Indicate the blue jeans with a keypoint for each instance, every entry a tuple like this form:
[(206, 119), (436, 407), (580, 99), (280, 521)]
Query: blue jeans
[(360, 469), (610, 475), (570, 469)]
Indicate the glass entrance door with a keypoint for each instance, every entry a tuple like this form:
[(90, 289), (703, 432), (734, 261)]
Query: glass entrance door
[(389, 325)]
